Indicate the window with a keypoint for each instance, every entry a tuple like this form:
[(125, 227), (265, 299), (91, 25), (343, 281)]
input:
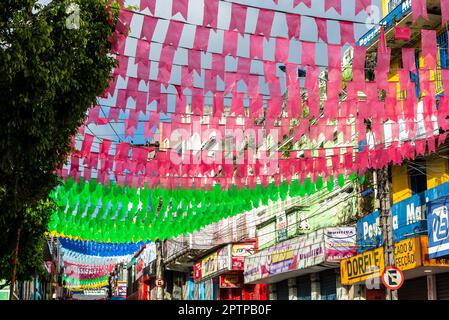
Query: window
[(418, 177)]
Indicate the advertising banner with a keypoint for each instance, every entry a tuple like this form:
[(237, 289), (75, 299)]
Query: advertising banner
[(438, 227), (209, 265), (239, 252), (409, 219), (224, 258), (197, 275), (340, 243), (121, 288), (230, 281), (299, 253)]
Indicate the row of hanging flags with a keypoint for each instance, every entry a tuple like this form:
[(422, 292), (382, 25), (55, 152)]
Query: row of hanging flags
[(207, 99)]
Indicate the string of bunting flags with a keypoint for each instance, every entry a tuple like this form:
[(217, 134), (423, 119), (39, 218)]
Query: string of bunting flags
[(187, 90)]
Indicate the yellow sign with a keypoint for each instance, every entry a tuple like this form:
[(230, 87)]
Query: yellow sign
[(369, 264), (407, 254), (209, 264), (425, 255)]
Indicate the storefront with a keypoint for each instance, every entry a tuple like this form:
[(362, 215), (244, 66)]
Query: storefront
[(220, 275), (423, 216), (305, 267), (138, 280), (423, 276)]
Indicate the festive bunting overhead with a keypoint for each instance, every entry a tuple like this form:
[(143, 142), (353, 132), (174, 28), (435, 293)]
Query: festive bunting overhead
[(222, 115), (123, 215)]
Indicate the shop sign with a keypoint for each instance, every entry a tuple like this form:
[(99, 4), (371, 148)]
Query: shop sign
[(229, 281), (197, 275), (281, 226), (239, 252), (224, 257), (409, 219), (299, 253), (339, 243), (427, 262), (366, 265), (121, 288), (281, 258), (209, 265), (95, 292), (407, 254), (139, 268), (438, 226)]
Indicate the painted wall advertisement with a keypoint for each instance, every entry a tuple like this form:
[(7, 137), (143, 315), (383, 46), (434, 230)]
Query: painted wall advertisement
[(301, 253), (409, 219)]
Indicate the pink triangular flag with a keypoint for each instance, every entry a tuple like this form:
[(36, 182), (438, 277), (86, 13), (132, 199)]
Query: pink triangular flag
[(201, 38), (444, 4), (143, 70), (429, 48), (148, 27), (218, 104), (142, 51), (265, 22), (181, 6), (194, 61), (419, 9), (150, 4), (173, 34), (294, 25), (361, 5), (307, 54), (347, 32), (321, 25), (210, 13), (230, 43), (282, 50), (238, 18), (336, 4), (256, 47)]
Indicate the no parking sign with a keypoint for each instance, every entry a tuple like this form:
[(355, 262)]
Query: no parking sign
[(392, 278)]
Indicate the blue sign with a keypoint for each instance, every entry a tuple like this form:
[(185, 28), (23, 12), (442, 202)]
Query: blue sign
[(438, 225), (409, 219)]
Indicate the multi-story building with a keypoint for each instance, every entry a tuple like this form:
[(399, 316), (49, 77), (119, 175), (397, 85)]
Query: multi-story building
[(301, 242), (419, 187)]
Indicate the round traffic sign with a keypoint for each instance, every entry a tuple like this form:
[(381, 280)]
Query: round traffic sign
[(392, 278), (159, 282)]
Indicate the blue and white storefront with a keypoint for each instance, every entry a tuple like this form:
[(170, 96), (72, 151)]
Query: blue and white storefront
[(424, 214)]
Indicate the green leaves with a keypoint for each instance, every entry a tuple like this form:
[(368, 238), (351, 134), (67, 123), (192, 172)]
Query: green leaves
[(50, 76)]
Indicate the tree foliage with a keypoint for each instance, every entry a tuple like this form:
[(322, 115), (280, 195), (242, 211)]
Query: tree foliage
[(31, 244), (50, 75)]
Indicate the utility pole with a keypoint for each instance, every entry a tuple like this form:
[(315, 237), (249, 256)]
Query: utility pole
[(159, 270), (386, 221)]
